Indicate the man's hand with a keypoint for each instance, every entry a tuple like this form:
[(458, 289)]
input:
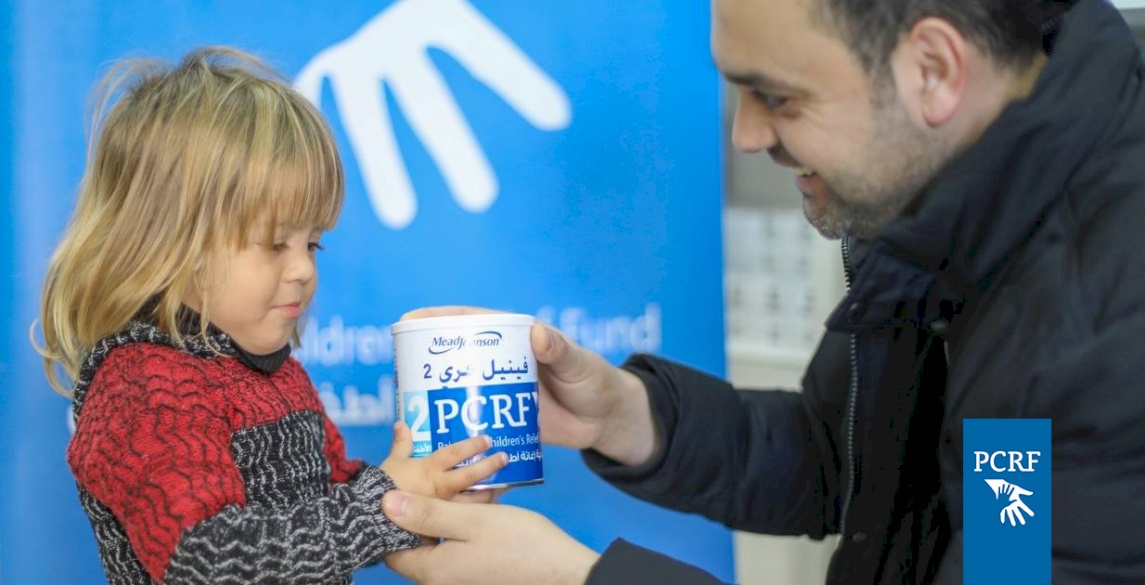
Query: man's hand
[(484, 545), (585, 402), (391, 51)]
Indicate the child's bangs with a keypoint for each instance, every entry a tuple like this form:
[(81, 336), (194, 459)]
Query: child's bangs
[(293, 175), (306, 191)]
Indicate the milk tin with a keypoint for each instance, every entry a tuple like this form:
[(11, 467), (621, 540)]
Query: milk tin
[(468, 375)]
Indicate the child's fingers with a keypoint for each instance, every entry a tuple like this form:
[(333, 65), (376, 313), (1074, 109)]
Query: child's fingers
[(464, 477), (403, 441), (452, 455)]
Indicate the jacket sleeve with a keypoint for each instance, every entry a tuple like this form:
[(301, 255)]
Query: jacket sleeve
[(626, 564), (154, 447), (760, 461)]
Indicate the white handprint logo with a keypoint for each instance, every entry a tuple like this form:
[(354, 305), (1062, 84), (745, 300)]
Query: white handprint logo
[(391, 49), (1014, 510)]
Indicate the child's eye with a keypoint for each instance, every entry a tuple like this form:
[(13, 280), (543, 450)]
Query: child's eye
[(278, 246), (315, 246)]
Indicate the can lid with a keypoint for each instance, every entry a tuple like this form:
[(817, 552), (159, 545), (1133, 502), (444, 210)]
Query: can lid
[(453, 321)]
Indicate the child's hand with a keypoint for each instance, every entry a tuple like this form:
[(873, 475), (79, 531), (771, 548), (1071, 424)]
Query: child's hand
[(434, 475)]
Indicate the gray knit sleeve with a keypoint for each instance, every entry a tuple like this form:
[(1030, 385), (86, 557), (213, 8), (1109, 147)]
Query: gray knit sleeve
[(317, 541)]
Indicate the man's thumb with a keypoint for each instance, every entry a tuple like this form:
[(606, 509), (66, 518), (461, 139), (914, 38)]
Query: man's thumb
[(426, 516), (555, 350)]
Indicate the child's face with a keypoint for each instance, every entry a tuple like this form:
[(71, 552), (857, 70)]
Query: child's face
[(259, 297)]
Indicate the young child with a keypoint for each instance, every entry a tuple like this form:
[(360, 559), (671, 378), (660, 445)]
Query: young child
[(202, 453)]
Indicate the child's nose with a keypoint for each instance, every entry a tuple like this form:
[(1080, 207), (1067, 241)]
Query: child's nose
[(301, 268)]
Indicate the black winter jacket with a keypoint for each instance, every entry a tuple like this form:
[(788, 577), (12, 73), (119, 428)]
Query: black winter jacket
[(1015, 290)]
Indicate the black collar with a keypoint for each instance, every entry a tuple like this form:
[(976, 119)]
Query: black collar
[(267, 364), (188, 320)]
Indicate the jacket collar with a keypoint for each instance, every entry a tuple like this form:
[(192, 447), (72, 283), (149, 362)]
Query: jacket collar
[(993, 197)]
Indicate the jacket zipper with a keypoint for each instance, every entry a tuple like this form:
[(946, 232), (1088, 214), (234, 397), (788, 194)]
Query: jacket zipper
[(852, 397)]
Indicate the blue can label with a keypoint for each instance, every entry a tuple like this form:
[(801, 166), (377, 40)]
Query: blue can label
[(504, 412), (459, 377)]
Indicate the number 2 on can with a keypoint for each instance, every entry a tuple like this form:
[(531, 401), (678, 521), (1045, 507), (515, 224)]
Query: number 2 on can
[(418, 404)]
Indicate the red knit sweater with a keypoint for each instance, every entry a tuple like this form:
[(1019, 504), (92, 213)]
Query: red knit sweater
[(194, 467)]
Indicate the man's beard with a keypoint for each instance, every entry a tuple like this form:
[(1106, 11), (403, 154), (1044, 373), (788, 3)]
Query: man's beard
[(900, 161)]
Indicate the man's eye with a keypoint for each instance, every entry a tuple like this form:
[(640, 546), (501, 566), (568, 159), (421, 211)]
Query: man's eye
[(769, 101)]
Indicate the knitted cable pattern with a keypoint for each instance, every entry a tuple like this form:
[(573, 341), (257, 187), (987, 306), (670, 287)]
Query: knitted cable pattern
[(194, 468)]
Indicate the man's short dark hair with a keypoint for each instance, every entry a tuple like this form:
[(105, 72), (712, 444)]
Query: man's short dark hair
[(1009, 31)]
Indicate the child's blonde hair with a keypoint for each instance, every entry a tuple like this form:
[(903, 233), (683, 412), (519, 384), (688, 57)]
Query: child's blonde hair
[(184, 160)]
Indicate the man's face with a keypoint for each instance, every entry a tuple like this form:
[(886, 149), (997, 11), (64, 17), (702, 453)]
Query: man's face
[(803, 97)]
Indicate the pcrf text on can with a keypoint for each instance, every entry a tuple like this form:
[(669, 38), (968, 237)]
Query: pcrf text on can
[(471, 410)]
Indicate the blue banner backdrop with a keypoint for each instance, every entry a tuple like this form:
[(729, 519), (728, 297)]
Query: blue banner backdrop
[(559, 158)]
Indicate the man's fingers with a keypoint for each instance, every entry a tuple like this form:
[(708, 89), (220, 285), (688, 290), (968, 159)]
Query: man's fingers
[(486, 496), (497, 492), (446, 311), (430, 516), (452, 455), (476, 497), (464, 477), (410, 562)]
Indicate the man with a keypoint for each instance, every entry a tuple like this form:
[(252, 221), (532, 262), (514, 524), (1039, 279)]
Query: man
[(984, 161)]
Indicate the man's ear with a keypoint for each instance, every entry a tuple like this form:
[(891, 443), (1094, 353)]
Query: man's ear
[(930, 68)]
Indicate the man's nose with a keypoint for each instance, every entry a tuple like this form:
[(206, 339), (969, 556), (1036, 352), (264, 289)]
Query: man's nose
[(752, 130)]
